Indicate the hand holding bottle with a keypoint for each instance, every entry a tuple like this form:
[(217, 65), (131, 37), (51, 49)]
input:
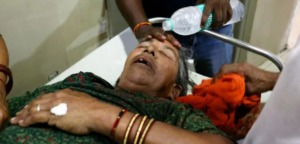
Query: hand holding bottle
[(222, 12), (211, 14)]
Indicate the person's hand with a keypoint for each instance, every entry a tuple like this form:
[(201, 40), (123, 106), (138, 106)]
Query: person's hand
[(222, 12), (3, 113), (82, 115), (256, 80), (149, 32)]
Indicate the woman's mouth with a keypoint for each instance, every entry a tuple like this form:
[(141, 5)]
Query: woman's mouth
[(144, 61), (141, 60)]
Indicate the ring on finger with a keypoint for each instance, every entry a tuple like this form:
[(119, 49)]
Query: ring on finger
[(38, 107)]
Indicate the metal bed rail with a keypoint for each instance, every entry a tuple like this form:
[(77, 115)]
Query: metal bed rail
[(241, 44)]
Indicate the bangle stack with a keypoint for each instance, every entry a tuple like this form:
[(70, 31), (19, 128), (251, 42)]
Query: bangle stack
[(137, 136), (142, 130), (146, 131), (129, 127)]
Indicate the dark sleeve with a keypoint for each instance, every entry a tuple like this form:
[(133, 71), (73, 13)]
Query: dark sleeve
[(88, 77), (78, 80), (193, 120)]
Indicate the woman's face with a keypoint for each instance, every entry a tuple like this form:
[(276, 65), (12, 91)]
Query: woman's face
[(152, 68)]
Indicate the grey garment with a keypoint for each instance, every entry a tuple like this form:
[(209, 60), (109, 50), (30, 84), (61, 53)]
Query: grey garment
[(278, 123)]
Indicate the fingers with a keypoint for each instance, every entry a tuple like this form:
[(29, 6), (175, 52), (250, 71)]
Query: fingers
[(40, 102), (40, 117), (229, 13), (149, 32), (19, 116), (206, 12), (31, 114), (218, 16), (173, 40), (158, 34), (38, 111), (43, 107), (224, 12), (40, 105), (30, 119), (229, 68)]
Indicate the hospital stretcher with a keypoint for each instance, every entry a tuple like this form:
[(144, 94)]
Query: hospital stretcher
[(108, 60)]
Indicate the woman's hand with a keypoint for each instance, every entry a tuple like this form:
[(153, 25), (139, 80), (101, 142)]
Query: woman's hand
[(149, 32), (82, 114), (257, 80), (3, 113), (222, 12)]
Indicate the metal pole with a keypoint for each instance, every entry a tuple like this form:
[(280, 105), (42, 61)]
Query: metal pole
[(246, 46), (235, 42)]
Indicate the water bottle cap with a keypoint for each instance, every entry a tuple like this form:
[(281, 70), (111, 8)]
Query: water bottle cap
[(168, 25)]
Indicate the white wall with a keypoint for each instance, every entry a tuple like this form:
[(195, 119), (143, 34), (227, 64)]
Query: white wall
[(116, 20), (271, 26), (295, 29), (44, 36)]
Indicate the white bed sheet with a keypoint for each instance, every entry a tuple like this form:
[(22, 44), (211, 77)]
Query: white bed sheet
[(108, 60)]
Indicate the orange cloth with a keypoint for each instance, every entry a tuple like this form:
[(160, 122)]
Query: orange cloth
[(225, 103)]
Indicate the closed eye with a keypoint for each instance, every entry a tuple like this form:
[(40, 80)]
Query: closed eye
[(143, 47), (165, 54)]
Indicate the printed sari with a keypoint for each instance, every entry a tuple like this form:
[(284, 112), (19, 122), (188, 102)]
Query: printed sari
[(173, 113)]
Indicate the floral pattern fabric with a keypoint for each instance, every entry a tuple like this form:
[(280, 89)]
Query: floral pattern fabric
[(176, 114)]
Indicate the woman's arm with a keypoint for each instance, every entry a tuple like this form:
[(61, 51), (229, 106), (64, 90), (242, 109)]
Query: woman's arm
[(160, 133), (4, 61), (86, 114)]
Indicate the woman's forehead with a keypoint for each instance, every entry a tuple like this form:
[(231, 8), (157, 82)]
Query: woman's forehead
[(163, 44)]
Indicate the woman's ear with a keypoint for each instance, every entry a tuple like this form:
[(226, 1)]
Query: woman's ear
[(176, 90)]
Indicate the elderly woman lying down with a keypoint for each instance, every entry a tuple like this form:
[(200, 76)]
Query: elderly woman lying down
[(138, 110)]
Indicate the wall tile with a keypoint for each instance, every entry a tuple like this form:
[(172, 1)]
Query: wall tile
[(13, 10), (64, 5), (14, 38), (40, 7), (34, 71), (44, 36)]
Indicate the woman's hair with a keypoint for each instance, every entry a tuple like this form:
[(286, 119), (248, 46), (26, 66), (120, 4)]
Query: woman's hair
[(183, 78)]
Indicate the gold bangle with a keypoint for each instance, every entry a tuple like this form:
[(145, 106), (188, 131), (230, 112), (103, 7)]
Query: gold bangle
[(146, 130), (129, 128), (139, 130)]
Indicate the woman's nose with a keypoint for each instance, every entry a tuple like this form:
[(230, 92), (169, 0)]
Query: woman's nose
[(150, 50)]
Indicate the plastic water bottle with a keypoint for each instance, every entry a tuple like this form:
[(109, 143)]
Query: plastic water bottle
[(186, 21)]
